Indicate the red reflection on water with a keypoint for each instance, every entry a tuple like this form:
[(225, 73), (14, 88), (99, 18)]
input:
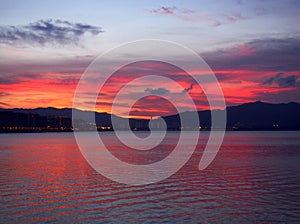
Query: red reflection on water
[(45, 177), (52, 171)]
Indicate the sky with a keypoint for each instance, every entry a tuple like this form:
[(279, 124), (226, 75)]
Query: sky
[(253, 48)]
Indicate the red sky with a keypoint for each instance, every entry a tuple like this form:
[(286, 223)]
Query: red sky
[(265, 69), (253, 48), (249, 80)]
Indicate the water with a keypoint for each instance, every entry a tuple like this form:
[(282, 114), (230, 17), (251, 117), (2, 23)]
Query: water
[(255, 178)]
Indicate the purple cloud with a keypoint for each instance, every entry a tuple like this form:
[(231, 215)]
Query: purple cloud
[(258, 55), (42, 32), (282, 81)]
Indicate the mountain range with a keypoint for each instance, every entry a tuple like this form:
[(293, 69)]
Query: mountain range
[(249, 116)]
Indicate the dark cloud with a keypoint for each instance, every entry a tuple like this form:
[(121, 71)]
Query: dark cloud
[(271, 80), (158, 91), (7, 80), (57, 32), (188, 89), (3, 94), (281, 81), (258, 55), (4, 104), (11, 79)]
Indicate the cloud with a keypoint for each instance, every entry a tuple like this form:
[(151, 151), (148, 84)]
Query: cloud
[(65, 82), (222, 18), (158, 91), (287, 81), (5, 104), (5, 80), (188, 89), (179, 13), (12, 79), (164, 10), (231, 18), (172, 11), (268, 54), (3, 94), (42, 32), (194, 16)]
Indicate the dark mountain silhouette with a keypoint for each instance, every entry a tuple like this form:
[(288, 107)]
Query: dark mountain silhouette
[(248, 116), (259, 115), (251, 116)]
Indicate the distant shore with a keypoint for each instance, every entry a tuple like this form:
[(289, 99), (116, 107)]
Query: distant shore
[(253, 116), (141, 130)]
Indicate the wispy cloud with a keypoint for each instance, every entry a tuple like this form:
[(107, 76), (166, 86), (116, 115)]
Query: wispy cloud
[(232, 18), (180, 13), (219, 19), (171, 10), (5, 104), (42, 32)]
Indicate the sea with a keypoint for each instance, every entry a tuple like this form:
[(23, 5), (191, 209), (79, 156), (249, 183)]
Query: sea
[(254, 178)]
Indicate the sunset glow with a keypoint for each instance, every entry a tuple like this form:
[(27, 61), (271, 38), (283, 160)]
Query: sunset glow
[(42, 59)]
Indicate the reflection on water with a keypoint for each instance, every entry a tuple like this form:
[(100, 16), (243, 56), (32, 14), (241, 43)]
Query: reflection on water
[(254, 178)]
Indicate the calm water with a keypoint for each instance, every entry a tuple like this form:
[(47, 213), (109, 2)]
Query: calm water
[(255, 178)]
